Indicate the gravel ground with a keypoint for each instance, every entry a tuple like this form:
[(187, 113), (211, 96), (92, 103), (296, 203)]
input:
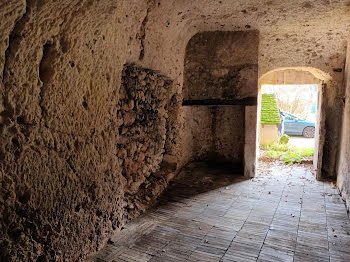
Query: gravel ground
[(300, 141)]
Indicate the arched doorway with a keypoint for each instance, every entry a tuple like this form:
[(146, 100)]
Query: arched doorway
[(302, 76)]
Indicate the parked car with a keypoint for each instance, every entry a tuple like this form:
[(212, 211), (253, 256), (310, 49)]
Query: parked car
[(296, 126)]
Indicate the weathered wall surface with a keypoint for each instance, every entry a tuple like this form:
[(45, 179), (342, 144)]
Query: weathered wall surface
[(196, 134), (229, 133), (343, 179), (11, 11), (213, 133), (61, 63), (69, 147), (221, 65), (142, 123)]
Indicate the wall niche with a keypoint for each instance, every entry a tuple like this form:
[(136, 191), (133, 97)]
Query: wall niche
[(220, 82)]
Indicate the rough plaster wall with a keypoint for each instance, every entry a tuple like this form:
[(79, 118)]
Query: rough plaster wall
[(221, 65), (299, 27), (229, 133), (333, 104), (197, 133), (11, 11), (343, 179), (214, 133)]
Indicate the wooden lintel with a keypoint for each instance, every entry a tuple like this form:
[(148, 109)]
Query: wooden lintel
[(248, 101)]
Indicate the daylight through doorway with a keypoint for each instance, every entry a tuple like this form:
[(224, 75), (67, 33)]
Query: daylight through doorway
[(288, 123)]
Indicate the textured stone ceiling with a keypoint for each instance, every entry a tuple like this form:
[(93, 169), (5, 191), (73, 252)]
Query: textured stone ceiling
[(293, 33)]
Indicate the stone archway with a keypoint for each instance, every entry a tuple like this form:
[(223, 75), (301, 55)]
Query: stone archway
[(298, 76)]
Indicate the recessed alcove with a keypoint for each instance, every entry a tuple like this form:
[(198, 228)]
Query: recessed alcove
[(220, 82)]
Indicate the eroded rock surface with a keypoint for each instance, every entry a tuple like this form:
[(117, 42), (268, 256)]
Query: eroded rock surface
[(85, 144)]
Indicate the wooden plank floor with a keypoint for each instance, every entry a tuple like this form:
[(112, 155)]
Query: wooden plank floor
[(207, 214)]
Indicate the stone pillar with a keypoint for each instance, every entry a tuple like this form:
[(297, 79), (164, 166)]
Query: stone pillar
[(250, 142)]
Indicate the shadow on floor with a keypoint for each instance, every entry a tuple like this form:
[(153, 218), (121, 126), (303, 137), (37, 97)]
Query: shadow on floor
[(216, 215), (201, 177)]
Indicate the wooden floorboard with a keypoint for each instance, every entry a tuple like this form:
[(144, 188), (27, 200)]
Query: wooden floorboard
[(208, 214)]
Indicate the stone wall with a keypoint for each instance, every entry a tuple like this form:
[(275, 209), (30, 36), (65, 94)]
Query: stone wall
[(214, 133), (44, 210), (229, 134), (72, 168), (142, 122), (221, 65), (61, 63), (343, 179), (196, 135)]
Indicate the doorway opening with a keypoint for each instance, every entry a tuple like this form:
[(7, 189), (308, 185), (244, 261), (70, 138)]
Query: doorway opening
[(289, 87), (288, 123)]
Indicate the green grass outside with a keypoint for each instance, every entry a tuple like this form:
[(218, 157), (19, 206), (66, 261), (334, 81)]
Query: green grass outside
[(287, 153)]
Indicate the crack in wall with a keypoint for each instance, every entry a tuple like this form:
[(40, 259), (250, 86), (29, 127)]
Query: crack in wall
[(142, 35)]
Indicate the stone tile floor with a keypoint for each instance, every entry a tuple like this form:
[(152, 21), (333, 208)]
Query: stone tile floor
[(208, 214)]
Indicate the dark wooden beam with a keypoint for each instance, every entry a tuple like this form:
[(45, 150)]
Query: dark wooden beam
[(248, 101)]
